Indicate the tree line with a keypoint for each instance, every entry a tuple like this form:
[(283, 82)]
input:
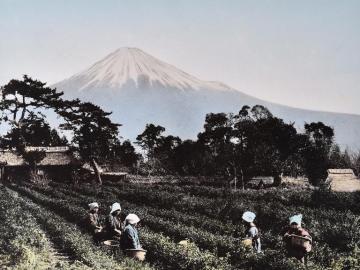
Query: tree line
[(251, 143), (238, 146)]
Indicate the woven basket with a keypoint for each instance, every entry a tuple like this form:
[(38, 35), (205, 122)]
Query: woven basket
[(300, 241), (138, 254), (247, 242)]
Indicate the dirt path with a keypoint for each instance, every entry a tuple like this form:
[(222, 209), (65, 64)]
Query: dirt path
[(58, 258)]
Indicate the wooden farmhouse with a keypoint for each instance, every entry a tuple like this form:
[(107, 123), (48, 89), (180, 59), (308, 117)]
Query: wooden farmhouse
[(57, 164), (260, 182)]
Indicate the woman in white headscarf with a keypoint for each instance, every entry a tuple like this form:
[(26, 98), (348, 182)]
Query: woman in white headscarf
[(298, 240), (114, 226), (130, 238), (93, 222), (252, 232)]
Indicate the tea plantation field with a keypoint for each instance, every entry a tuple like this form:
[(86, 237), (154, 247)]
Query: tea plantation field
[(40, 227)]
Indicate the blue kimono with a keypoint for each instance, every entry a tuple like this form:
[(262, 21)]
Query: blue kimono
[(130, 238)]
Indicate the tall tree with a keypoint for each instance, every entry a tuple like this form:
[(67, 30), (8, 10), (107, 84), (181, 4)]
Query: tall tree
[(22, 105), (216, 136), (33, 131), (317, 151), (94, 134), (126, 153), (164, 152), (26, 96), (150, 138)]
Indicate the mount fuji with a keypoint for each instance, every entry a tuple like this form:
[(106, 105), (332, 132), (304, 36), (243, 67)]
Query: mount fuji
[(139, 89)]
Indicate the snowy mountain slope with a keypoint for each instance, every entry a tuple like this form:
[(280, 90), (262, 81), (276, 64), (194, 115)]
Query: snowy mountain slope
[(127, 66), (141, 89)]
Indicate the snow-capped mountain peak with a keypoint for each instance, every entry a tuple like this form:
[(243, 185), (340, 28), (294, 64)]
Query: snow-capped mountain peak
[(134, 66)]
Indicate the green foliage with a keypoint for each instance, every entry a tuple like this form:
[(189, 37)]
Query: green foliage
[(27, 96), (33, 157), (317, 151), (23, 243), (250, 143), (73, 241), (126, 154), (94, 134), (22, 105), (72, 213), (150, 138), (205, 216)]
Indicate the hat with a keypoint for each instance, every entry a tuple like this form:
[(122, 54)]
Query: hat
[(248, 216), (114, 207), (132, 219), (93, 205), (296, 219)]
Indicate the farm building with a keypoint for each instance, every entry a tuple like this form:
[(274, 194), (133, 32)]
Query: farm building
[(57, 164), (343, 180), (105, 172), (260, 181)]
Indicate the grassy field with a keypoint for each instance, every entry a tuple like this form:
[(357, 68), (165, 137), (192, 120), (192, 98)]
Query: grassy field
[(210, 217)]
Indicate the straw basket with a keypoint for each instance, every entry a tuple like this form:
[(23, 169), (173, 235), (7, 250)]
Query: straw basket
[(300, 241), (138, 254), (247, 242), (112, 246)]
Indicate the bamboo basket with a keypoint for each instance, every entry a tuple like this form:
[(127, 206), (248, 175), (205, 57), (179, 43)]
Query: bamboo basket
[(246, 242), (138, 254), (300, 241)]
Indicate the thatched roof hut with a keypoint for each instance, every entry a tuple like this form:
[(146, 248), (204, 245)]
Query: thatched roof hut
[(57, 161), (54, 156), (260, 181)]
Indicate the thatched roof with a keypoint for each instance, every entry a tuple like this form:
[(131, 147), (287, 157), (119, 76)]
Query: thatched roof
[(50, 149), (340, 171), (53, 157), (10, 158), (343, 180), (57, 159), (267, 180)]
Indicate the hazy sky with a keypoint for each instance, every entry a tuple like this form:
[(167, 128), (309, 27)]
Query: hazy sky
[(300, 53)]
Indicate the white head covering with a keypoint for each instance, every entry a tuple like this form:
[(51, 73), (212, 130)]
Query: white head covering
[(114, 207), (93, 205), (296, 219), (248, 216), (132, 219)]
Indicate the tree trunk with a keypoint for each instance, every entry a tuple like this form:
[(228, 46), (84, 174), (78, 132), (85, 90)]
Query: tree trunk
[(242, 180), (278, 179), (96, 168), (235, 177), (24, 109), (2, 174)]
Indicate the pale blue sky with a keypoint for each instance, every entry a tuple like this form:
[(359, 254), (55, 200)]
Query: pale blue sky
[(300, 53)]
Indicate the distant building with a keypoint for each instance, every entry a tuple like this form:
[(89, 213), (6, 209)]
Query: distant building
[(260, 182), (343, 180), (57, 164), (105, 174)]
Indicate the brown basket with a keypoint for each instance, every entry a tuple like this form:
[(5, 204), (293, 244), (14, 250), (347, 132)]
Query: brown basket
[(138, 254), (247, 242), (300, 241)]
